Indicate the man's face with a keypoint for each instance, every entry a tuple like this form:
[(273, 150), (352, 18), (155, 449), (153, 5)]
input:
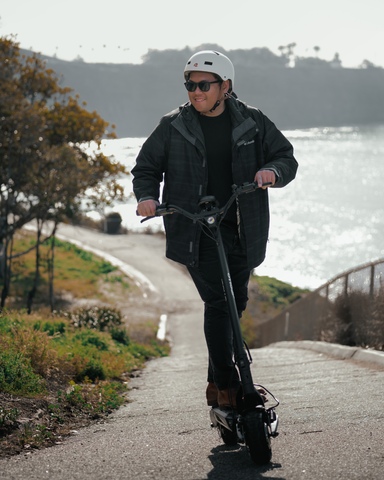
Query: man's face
[(205, 101)]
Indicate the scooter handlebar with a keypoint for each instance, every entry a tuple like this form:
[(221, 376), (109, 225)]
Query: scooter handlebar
[(166, 209)]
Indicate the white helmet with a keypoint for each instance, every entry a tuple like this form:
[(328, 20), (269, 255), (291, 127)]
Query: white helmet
[(212, 62)]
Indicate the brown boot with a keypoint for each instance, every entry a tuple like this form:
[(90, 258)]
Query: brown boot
[(227, 398), (211, 394)]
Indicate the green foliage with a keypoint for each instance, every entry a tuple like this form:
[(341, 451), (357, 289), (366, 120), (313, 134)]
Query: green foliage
[(93, 370), (71, 352), (17, 375), (102, 397), (278, 293), (100, 266), (50, 326), (248, 330), (116, 279), (155, 349), (55, 413), (90, 337), (44, 171), (34, 437), (120, 335), (76, 271)]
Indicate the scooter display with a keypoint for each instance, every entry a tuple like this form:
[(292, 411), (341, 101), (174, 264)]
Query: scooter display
[(251, 423)]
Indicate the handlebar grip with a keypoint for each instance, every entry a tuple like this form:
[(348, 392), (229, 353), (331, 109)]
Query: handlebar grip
[(161, 210)]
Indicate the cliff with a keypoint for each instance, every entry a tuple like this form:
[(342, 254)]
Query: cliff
[(313, 93)]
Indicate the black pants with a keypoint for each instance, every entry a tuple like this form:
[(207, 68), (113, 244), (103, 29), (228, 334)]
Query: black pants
[(217, 325)]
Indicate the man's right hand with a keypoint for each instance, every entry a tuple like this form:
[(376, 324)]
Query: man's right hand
[(147, 208)]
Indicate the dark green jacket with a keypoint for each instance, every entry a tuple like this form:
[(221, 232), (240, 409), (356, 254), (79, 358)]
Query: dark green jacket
[(175, 152)]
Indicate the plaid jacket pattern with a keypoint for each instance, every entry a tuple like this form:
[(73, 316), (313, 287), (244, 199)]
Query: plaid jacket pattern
[(175, 153)]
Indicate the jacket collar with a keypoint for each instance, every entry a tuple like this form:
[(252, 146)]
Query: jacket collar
[(188, 124), (244, 126)]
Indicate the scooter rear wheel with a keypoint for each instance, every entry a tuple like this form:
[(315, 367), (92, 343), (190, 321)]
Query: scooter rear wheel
[(228, 436), (257, 438)]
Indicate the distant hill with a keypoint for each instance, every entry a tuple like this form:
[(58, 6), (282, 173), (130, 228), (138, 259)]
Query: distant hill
[(313, 93)]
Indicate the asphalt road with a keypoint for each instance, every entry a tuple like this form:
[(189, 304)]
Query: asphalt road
[(331, 412)]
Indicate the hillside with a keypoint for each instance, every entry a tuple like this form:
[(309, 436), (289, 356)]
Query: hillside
[(313, 93)]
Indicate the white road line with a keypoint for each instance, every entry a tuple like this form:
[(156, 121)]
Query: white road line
[(162, 327)]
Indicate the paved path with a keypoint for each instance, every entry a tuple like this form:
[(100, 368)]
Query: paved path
[(332, 419)]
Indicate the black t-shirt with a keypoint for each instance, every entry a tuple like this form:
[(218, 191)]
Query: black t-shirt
[(217, 135)]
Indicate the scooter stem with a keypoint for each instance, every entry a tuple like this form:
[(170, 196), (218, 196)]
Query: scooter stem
[(241, 356)]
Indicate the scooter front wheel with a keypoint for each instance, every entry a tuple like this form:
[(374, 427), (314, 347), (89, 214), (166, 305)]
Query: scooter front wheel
[(257, 438)]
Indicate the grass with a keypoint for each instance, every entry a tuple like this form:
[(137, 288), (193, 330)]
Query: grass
[(268, 296), (277, 294), (79, 371), (76, 270), (35, 349), (71, 366), (17, 375)]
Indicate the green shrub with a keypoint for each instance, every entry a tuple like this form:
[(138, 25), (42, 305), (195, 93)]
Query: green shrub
[(17, 375), (94, 370), (120, 335), (51, 327), (89, 337)]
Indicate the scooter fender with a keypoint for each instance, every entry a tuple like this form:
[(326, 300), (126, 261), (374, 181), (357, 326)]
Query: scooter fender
[(250, 401)]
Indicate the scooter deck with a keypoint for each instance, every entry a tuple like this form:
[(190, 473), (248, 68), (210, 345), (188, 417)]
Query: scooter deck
[(226, 418)]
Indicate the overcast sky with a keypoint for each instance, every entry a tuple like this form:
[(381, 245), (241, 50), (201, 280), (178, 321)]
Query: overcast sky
[(121, 31)]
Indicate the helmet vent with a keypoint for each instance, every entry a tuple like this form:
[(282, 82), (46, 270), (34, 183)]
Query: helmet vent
[(208, 63)]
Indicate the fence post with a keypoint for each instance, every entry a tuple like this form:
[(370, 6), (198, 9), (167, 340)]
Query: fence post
[(372, 292), (286, 329)]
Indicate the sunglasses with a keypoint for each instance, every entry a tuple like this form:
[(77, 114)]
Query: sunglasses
[(203, 86)]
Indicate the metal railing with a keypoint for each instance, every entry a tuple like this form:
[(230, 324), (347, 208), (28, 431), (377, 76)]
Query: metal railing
[(349, 309)]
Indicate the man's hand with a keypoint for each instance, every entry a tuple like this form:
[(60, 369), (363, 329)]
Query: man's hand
[(265, 176), (147, 208)]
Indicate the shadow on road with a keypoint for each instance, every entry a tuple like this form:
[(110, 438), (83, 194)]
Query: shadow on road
[(235, 463)]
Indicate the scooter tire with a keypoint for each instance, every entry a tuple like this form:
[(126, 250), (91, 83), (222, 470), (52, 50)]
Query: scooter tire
[(256, 438), (228, 436)]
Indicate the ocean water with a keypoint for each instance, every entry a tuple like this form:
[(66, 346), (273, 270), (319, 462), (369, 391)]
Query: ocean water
[(328, 220)]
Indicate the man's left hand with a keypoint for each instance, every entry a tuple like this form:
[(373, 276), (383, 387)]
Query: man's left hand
[(265, 176)]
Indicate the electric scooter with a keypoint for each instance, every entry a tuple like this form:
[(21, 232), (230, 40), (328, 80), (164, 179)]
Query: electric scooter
[(251, 423)]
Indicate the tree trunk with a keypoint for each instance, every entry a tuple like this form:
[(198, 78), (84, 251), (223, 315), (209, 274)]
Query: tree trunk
[(6, 264), (51, 272), (32, 292)]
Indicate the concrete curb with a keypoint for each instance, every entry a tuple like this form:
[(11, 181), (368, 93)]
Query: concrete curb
[(335, 349), (140, 279)]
